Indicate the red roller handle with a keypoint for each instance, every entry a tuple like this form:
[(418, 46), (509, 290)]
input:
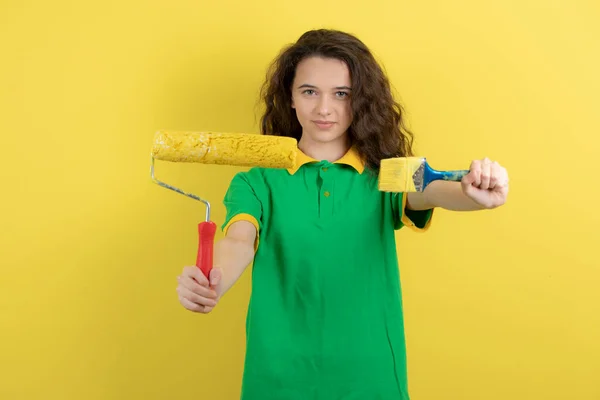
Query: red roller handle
[(206, 241)]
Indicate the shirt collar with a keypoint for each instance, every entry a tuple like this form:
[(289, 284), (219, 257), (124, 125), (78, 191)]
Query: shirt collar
[(351, 158)]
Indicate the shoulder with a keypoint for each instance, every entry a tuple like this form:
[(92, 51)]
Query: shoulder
[(259, 175), (258, 180), (253, 176)]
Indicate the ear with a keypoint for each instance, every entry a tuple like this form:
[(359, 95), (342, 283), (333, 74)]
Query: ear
[(293, 105)]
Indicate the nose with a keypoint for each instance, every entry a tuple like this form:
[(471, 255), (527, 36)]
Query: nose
[(323, 106)]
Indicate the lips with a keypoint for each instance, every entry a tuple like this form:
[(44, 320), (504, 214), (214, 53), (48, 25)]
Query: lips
[(324, 124)]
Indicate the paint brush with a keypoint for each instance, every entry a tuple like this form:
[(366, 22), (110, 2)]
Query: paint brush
[(412, 174)]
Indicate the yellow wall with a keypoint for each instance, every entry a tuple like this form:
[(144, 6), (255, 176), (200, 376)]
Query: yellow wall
[(499, 305)]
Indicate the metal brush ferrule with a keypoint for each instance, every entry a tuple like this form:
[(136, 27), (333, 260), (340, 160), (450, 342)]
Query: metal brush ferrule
[(418, 177)]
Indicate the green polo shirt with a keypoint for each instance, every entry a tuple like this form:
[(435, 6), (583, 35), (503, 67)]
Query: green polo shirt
[(325, 317)]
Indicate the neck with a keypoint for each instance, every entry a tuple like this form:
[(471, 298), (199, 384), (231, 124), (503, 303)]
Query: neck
[(330, 151)]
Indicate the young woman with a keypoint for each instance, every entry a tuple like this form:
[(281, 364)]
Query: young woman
[(325, 317)]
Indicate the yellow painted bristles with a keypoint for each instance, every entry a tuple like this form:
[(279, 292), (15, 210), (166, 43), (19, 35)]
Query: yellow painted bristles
[(398, 174)]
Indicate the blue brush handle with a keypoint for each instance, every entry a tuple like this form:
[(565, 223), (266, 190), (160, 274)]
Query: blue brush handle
[(431, 175)]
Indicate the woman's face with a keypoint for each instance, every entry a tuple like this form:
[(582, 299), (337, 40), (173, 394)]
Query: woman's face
[(321, 97)]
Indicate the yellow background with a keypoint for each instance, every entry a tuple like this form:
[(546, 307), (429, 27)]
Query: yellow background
[(499, 305)]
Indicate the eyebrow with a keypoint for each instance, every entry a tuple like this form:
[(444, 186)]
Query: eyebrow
[(306, 85)]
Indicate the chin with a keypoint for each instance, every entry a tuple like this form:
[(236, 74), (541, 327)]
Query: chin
[(326, 137)]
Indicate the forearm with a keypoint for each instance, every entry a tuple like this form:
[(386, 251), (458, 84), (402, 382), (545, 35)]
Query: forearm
[(232, 256), (442, 194)]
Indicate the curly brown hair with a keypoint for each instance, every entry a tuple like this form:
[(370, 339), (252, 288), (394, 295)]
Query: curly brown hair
[(377, 131)]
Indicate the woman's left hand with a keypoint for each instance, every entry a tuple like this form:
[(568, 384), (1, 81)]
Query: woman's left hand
[(486, 183)]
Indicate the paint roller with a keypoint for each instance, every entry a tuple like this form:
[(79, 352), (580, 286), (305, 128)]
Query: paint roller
[(234, 149)]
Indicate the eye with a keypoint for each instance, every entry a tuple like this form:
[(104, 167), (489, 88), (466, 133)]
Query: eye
[(342, 94), (308, 91)]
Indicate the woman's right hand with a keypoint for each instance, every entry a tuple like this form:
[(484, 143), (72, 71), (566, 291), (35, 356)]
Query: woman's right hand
[(195, 291)]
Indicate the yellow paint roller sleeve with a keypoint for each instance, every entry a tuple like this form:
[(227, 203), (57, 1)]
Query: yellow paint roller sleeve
[(237, 149)]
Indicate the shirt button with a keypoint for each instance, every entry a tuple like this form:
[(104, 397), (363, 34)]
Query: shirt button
[(325, 169), (326, 194)]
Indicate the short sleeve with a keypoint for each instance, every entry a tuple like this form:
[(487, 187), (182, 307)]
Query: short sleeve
[(418, 220), (242, 204)]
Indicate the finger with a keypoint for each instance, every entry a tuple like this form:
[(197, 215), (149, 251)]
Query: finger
[(195, 298), (215, 276), (467, 183), (502, 185), (501, 178), (195, 287), (495, 175), (504, 191), (476, 171), (468, 179), (504, 177), (196, 273), (193, 306), (485, 174)]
